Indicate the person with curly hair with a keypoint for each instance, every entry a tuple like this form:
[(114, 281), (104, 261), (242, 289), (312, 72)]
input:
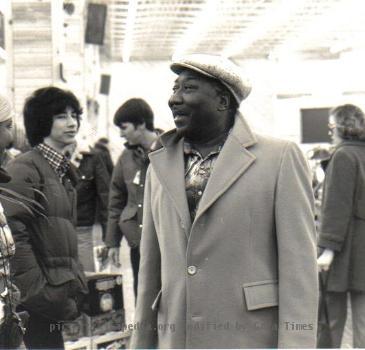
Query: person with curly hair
[(342, 227), (46, 267)]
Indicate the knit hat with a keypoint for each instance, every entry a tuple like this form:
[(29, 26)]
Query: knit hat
[(216, 67), (5, 109)]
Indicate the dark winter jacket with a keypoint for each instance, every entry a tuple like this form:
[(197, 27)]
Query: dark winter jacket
[(104, 151), (4, 176), (92, 190), (45, 266)]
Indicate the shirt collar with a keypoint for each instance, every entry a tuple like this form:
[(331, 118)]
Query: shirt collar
[(139, 146), (190, 150), (57, 161)]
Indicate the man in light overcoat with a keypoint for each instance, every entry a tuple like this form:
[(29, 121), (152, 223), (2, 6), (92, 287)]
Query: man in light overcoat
[(228, 253)]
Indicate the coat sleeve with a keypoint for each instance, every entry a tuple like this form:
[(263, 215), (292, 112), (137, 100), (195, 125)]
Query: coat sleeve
[(36, 293), (338, 200), (102, 180), (24, 264), (149, 280), (118, 196), (109, 162), (296, 239)]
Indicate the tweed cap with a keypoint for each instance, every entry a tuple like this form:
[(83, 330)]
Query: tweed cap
[(216, 67), (5, 109)]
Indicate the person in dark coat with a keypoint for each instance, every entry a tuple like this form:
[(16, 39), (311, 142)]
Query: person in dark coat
[(46, 267), (135, 120), (342, 226), (101, 146), (92, 204)]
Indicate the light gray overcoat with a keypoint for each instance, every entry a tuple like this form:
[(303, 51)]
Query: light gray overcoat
[(243, 274)]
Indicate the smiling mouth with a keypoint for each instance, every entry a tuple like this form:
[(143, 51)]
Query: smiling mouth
[(179, 116), (179, 119)]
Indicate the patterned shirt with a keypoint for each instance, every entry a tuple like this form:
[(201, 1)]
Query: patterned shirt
[(197, 173), (57, 161)]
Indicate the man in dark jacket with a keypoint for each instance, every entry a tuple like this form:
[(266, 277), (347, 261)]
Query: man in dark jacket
[(92, 204), (45, 266), (135, 120), (101, 146)]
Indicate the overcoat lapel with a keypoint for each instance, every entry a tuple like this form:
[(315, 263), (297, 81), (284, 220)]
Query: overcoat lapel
[(233, 160), (168, 164)]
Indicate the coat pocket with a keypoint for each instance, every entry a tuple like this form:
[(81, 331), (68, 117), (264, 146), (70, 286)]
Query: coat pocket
[(128, 213), (360, 209), (85, 183), (129, 226), (58, 276), (262, 294), (156, 302)]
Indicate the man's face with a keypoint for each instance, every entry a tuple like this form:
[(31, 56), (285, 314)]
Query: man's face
[(194, 104), (64, 128), (6, 134), (133, 134), (333, 132)]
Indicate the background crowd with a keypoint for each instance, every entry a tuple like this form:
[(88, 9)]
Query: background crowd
[(61, 199)]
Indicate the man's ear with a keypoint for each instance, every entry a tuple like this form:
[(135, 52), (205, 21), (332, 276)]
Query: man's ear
[(224, 102)]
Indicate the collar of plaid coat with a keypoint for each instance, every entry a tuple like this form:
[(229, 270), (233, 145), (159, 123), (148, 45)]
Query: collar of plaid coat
[(57, 161)]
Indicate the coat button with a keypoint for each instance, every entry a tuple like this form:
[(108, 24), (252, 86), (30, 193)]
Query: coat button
[(192, 270), (140, 226), (200, 193), (139, 205)]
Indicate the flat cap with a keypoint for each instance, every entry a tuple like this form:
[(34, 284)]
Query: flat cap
[(216, 67)]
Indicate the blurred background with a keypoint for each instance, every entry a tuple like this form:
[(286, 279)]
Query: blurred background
[(302, 56)]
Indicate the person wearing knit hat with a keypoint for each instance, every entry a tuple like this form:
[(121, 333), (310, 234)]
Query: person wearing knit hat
[(9, 297), (6, 111), (134, 118), (6, 123), (228, 256), (6, 133)]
